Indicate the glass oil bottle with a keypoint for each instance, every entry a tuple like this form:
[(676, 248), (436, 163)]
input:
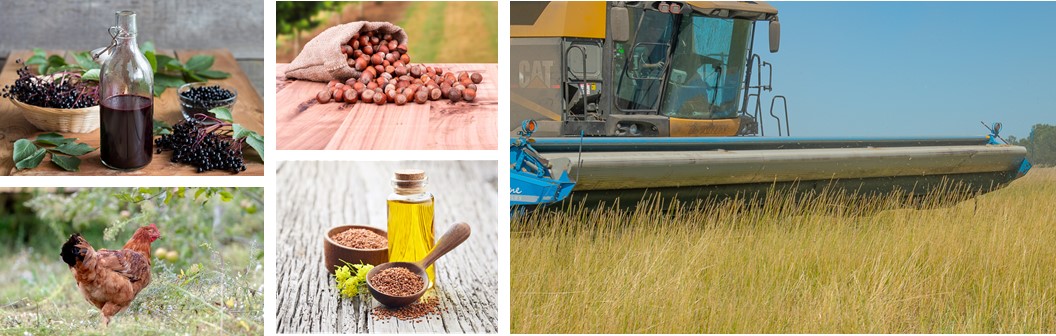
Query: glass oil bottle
[(411, 234)]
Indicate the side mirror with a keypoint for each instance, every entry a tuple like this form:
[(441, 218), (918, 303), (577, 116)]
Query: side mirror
[(775, 35), (620, 24)]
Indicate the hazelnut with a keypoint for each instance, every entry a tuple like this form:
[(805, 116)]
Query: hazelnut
[(323, 96), (380, 99), (434, 94), (476, 77), (376, 59), (454, 95), (401, 99), (421, 97), (469, 94), (350, 96), (367, 96), (367, 49)]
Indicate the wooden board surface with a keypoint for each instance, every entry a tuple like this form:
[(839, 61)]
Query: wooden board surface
[(248, 111), (314, 196), (303, 123)]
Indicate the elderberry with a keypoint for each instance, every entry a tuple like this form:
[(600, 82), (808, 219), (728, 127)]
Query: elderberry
[(205, 147), (63, 90)]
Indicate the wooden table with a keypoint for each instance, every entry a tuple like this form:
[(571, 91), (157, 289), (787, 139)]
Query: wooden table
[(314, 196), (248, 111), (303, 123)]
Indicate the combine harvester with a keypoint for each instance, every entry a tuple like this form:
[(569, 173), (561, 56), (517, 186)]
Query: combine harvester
[(646, 97)]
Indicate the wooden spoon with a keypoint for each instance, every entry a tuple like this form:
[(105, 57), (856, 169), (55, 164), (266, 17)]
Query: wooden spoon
[(454, 236)]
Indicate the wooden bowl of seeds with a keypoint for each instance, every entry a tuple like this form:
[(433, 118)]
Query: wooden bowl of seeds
[(355, 244)]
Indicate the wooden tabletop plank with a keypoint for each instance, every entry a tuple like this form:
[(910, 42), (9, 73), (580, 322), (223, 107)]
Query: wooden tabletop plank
[(314, 196), (248, 111), (303, 123)]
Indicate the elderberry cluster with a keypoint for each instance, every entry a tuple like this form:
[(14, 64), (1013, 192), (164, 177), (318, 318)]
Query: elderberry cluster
[(202, 146), (65, 91), (208, 96)]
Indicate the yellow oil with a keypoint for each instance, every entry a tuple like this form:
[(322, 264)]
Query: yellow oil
[(411, 235)]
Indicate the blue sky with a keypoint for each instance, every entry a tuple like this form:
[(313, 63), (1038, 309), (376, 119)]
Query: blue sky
[(914, 68)]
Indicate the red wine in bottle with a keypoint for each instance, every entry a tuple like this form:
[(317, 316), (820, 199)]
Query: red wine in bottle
[(127, 131)]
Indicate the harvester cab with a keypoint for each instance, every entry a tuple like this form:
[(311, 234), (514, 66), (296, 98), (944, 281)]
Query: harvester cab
[(640, 69)]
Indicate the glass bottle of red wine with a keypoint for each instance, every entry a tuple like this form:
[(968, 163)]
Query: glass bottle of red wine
[(126, 100)]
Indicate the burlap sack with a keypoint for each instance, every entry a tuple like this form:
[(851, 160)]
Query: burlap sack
[(321, 59)]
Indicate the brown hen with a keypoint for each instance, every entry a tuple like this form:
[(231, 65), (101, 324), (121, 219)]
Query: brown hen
[(111, 279)]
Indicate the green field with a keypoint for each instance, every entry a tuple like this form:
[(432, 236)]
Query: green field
[(212, 287), (829, 265)]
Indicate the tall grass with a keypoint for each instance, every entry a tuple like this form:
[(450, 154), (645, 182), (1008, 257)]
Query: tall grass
[(829, 263)]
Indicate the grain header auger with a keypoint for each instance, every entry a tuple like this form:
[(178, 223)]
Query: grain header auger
[(660, 96)]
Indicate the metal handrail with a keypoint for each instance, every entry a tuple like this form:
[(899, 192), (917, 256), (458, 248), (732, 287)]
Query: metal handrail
[(784, 100)]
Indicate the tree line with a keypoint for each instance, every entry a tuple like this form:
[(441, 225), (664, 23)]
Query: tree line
[(1040, 144)]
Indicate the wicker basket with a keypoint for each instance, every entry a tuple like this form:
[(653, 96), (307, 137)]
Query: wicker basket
[(82, 120)]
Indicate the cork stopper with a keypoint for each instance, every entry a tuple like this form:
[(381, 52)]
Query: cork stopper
[(409, 181)]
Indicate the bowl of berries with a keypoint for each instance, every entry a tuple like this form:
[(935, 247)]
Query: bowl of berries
[(200, 97), (58, 102)]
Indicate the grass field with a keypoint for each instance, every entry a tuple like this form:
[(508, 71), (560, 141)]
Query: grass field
[(986, 265)]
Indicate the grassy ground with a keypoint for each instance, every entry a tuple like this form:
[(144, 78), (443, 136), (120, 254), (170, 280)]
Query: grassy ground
[(213, 286), (981, 266), (439, 31)]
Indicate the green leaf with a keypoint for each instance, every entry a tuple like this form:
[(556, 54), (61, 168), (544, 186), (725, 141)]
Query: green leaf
[(23, 149), (213, 74), (168, 81), (54, 139), (257, 142), (226, 196), (75, 149), (91, 75), (153, 60), (53, 64), (36, 60), (32, 161), (190, 77), (147, 46), (199, 62), (168, 63), (222, 113), (84, 59), (199, 193), (69, 163), (160, 127), (240, 132)]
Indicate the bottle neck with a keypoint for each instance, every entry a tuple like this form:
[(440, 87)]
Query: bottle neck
[(126, 25)]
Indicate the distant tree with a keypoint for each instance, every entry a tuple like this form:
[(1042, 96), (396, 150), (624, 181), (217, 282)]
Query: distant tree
[(294, 17), (1041, 143)]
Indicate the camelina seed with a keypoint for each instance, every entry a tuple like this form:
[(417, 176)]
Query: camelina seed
[(360, 239), (397, 281), (414, 312)]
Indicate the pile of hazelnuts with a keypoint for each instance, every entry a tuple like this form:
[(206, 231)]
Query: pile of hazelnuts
[(383, 73)]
